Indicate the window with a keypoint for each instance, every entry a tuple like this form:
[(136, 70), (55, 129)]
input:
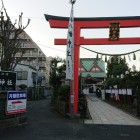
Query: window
[(22, 45), (21, 53), (34, 77), (40, 53), (96, 69), (22, 75), (22, 62), (30, 63), (40, 62), (31, 53)]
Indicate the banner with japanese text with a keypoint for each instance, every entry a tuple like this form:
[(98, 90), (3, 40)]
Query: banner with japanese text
[(70, 48)]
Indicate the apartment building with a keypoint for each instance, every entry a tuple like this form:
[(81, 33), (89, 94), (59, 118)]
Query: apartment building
[(34, 58)]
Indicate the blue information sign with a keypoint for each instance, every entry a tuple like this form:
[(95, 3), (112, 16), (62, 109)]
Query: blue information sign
[(16, 102)]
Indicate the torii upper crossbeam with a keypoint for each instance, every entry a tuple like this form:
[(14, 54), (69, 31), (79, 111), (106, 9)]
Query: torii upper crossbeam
[(85, 23)]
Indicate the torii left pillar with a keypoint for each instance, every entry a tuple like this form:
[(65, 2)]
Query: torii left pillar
[(79, 23), (60, 23)]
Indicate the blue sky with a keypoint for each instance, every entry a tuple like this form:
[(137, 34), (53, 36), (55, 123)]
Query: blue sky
[(40, 31)]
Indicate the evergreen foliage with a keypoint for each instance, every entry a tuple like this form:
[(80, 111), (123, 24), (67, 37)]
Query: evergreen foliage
[(115, 68)]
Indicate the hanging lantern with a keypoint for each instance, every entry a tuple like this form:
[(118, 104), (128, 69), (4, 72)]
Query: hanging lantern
[(134, 56)]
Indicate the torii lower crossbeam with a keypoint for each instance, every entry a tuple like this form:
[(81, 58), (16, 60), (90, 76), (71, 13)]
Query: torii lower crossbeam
[(80, 23)]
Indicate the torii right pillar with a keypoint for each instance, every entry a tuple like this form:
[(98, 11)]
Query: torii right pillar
[(86, 23)]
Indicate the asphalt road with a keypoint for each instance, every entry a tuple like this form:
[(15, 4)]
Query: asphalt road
[(44, 123)]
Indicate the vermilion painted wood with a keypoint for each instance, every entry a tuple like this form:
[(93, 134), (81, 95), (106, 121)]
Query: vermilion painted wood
[(100, 41), (95, 24), (76, 68), (79, 23)]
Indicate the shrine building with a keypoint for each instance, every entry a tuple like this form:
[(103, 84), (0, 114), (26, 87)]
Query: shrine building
[(91, 68)]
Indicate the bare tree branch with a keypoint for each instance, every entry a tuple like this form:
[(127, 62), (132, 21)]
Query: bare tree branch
[(10, 40)]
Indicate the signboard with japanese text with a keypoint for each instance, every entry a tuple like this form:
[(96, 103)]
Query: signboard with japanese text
[(7, 80), (16, 102), (70, 48)]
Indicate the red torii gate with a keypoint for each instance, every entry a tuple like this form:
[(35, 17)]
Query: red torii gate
[(84, 23)]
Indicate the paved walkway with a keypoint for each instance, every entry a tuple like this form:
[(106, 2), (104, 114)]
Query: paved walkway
[(103, 113)]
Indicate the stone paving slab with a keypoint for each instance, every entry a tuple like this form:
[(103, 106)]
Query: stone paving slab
[(103, 113)]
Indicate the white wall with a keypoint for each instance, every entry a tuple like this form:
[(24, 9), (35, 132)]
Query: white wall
[(29, 81)]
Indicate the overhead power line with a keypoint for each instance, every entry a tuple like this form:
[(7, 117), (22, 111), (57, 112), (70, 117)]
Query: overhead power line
[(92, 51), (55, 48), (50, 47)]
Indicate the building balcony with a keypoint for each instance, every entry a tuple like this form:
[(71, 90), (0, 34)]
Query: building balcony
[(42, 65), (31, 55)]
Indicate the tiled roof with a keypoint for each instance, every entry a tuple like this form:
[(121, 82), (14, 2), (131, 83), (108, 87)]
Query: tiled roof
[(90, 63)]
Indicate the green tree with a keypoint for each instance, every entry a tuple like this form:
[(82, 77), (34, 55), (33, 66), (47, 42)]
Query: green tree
[(56, 71), (134, 77), (10, 40), (115, 67)]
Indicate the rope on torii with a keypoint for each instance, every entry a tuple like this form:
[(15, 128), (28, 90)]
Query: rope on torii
[(109, 54)]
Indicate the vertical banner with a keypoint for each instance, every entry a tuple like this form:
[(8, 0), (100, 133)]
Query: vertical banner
[(70, 58), (70, 48)]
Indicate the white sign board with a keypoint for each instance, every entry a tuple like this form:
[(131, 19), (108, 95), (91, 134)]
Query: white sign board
[(16, 102)]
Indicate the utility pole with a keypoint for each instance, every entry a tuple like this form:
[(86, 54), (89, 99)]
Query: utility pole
[(37, 68)]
